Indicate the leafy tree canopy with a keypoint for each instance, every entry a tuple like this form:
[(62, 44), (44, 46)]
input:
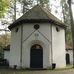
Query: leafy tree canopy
[(4, 5)]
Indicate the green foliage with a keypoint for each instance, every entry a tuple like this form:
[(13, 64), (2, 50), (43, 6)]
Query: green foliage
[(4, 41), (4, 5)]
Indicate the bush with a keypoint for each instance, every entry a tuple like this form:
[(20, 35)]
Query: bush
[(4, 62)]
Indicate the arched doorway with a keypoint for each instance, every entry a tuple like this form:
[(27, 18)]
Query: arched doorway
[(36, 56), (67, 58)]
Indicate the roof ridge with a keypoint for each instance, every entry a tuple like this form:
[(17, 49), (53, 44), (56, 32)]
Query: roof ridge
[(37, 14), (47, 13)]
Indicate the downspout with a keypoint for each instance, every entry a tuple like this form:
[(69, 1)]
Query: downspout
[(51, 48), (21, 46)]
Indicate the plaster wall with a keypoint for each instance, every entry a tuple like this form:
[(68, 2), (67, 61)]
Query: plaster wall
[(14, 58), (58, 47), (42, 36)]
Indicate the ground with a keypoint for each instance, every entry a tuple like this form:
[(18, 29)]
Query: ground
[(61, 71)]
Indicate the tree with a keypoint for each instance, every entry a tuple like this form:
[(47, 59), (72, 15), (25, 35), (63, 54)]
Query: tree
[(72, 26), (66, 18), (4, 5), (14, 2), (4, 41), (43, 3), (28, 4)]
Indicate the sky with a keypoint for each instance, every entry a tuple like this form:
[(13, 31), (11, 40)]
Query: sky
[(73, 10), (57, 6)]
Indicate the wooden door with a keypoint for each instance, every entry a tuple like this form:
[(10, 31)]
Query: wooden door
[(36, 56)]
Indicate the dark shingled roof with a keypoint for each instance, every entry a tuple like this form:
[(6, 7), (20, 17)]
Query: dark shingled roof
[(69, 47), (37, 15)]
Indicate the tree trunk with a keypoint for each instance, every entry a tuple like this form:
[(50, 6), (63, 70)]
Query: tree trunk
[(72, 26), (14, 10)]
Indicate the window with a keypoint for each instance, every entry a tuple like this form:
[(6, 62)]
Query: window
[(36, 26), (57, 29)]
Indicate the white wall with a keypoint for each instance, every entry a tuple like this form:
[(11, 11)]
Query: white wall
[(43, 37), (58, 47), (33, 39), (15, 47)]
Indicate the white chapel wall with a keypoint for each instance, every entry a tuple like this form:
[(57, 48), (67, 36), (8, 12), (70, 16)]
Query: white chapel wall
[(45, 30), (58, 47), (15, 47)]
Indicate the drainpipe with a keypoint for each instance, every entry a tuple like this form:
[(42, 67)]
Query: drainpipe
[(21, 46)]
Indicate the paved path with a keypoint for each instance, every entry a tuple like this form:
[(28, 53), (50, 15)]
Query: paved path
[(6, 71)]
